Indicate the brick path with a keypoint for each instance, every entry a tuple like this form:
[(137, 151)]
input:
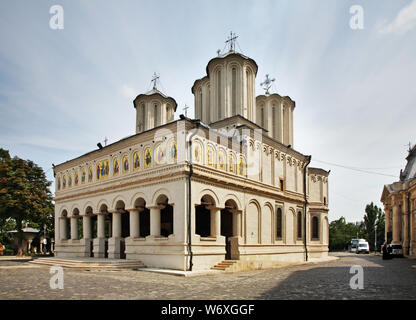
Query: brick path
[(390, 279)]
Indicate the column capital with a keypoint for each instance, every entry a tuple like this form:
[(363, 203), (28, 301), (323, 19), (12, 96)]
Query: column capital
[(155, 207), (101, 213), (135, 210), (117, 211)]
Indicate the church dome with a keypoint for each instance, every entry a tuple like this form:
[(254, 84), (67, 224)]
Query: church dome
[(153, 109), (227, 90)]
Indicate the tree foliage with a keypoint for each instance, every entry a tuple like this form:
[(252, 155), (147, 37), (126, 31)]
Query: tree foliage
[(374, 218), (341, 232), (24, 194)]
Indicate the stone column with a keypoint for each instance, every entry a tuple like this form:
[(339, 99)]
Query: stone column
[(134, 223), (62, 228), (99, 242), (116, 224), (100, 226), (236, 223), (155, 221), (114, 243), (405, 217), (387, 211), (74, 228), (86, 227), (215, 222), (86, 236), (396, 222)]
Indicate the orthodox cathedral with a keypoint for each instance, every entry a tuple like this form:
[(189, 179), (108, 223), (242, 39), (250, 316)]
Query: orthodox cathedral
[(224, 190)]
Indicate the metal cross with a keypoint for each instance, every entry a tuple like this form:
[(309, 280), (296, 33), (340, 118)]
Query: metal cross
[(267, 83), (231, 40), (185, 108), (155, 79)]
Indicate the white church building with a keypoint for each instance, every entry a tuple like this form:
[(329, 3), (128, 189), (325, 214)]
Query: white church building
[(226, 188)]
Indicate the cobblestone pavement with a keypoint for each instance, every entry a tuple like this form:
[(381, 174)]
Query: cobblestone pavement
[(383, 279)]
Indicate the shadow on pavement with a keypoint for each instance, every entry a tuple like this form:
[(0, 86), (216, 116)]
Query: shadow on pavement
[(383, 279)]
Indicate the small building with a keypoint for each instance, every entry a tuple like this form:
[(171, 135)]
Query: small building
[(189, 193), (399, 199)]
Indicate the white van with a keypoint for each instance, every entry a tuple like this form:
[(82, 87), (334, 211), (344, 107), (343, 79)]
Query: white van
[(363, 247), (354, 244)]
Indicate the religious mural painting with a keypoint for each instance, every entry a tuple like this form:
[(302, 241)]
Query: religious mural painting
[(173, 151), (83, 176), (232, 163), (125, 163), (69, 180), (59, 183), (197, 152), (221, 159), (76, 179), (210, 156), (64, 182), (160, 154), (241, 167), (147, 158), (90, 174), (136, 161), (103, 169), (116, 167)]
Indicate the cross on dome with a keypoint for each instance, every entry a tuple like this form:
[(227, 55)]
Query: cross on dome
[(185, 108), (231, 41), (267, 83), (155, 79)]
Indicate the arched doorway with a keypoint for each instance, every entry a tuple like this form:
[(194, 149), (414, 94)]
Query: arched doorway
[(166, 216), (203, 216), (144, 217)]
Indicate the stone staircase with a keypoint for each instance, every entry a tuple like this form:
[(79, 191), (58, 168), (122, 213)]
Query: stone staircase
[(225, 265), (90, 264)]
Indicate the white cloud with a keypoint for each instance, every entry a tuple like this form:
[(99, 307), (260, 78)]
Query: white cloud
[(403, 22), (128, 92)]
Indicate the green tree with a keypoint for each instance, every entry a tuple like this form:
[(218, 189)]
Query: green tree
[(341, 233), (373, 217), (24, 195)]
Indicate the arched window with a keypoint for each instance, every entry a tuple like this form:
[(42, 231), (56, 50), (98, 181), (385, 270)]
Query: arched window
[(143, 118), (274, 122), (299, 225), (208, 106), (219, 94), (234, 92), (315, 228), (200, 104), (262, 116), (155, 116), (279, 223), (249, 115)]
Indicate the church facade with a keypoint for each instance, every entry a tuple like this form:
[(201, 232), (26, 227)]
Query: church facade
[(399, 199), (187, 194)]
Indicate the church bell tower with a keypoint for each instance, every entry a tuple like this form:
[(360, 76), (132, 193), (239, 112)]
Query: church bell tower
[(153, 108)]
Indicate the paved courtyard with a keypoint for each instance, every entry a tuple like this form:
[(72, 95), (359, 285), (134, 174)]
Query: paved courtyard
[(390, 279)]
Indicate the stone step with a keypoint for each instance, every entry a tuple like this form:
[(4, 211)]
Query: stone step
[(89, 264), (224, 265)]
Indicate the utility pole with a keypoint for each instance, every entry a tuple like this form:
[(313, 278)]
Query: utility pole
[(375, 238)]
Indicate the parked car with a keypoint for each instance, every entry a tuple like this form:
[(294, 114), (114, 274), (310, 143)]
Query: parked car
[(363, 247), (396, 250)]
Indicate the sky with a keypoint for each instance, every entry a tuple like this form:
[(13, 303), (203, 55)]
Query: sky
[(64, 90)]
